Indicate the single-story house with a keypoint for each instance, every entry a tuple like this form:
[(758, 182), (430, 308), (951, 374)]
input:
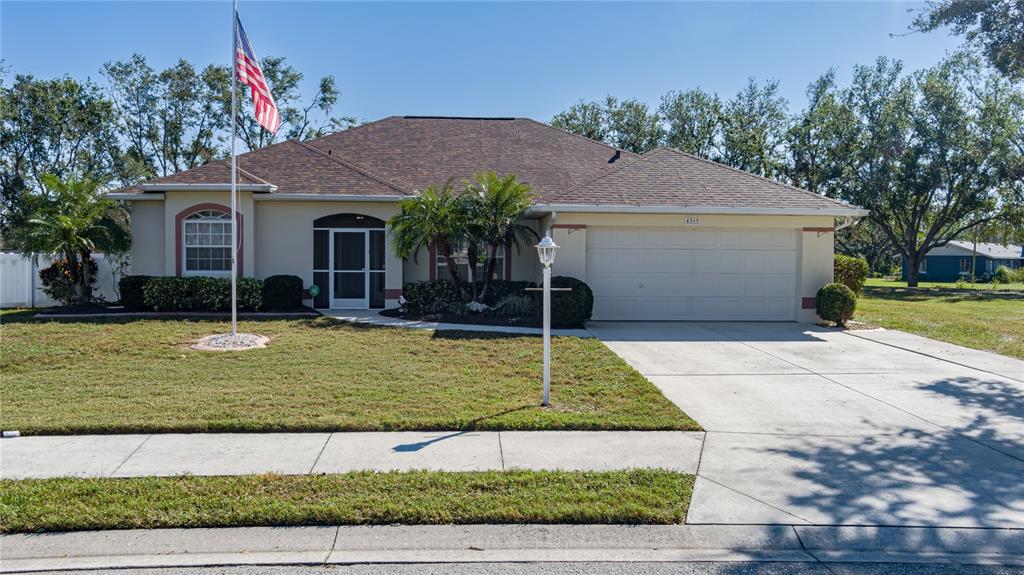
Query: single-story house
[(659, 236), (953, 261)]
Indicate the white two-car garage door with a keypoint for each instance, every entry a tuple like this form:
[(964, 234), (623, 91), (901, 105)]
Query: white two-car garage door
[(692, 274)]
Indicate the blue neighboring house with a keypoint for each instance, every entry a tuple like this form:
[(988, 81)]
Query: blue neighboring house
[(953, 261)]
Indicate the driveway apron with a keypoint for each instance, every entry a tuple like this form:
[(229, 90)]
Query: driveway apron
[(809, 425)]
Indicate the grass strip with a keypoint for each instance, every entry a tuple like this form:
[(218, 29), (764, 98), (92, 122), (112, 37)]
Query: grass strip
[(359, 498)]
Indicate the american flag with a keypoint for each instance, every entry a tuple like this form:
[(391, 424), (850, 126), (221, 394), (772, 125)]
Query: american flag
[(249, 72)]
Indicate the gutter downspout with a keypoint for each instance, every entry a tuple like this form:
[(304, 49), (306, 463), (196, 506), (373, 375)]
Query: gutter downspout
[(848, 221), (551, 222)]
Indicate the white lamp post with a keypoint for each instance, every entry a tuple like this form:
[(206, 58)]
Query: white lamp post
[(546, 249)]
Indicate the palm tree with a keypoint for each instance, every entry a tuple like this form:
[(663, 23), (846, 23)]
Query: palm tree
[(75, 221), (496, 206), (436, 216)]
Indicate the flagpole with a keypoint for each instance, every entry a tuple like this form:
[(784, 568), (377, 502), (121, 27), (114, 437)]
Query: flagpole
[(234, 169)]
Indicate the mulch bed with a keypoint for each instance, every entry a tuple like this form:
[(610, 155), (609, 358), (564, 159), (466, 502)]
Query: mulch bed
[(101, 310), (472, 319)]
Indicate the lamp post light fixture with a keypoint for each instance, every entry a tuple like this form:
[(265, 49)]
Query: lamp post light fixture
[(546, 249)]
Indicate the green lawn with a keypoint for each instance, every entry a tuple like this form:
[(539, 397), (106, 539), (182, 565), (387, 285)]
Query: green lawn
[(361, 498), (990, 320), (316, 375)]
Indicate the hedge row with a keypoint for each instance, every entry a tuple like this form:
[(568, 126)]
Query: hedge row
[(199, 293), (851, 272)]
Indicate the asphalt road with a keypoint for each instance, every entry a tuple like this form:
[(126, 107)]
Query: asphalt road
[(585, 569)]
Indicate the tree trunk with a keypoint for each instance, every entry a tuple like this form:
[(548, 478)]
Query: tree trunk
[(489, 271), (445, 248), (453, 274), (913, 269), (74, 277), (974, 257), (473, 260), (86, 278)]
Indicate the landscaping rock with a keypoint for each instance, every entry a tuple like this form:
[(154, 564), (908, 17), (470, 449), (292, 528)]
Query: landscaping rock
[(228, 342)]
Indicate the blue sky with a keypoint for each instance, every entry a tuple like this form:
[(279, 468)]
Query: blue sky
[(482, 58)]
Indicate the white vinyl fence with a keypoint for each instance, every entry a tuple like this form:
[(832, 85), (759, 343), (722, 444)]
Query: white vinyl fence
[(20, 285)]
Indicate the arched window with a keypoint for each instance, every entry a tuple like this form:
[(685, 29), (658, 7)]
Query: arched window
[(207, 238)]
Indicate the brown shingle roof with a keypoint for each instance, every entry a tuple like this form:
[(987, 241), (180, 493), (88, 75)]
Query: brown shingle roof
[(297, 168), (217, 171), (415, 152), (668, 177), (293, 167), (400, 155)]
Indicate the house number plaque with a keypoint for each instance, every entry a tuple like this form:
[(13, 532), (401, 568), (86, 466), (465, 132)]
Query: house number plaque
[(691, 220)]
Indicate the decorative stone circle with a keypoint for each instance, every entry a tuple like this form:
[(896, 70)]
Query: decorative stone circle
[(228, 342)]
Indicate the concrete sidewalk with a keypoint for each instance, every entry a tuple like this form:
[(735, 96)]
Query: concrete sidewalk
[(302, 453), (505, 543)]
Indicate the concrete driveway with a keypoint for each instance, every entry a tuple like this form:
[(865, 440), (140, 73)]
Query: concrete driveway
[(808, 425)]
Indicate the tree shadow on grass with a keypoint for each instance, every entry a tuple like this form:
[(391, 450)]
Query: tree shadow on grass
[(329, 323), (947, 295), (488, 335)]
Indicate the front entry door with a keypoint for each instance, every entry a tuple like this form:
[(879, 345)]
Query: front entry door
[(349, 274)]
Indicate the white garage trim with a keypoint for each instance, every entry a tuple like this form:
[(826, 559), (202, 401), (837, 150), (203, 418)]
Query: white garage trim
[(648, 273), (659, 209)]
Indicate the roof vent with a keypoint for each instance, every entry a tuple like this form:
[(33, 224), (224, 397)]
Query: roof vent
[(616, 156), (328, 151)]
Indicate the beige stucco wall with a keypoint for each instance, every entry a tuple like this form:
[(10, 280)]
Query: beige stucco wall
[(417, 269), (815, 246), (571, 258), (817, 249), (278, 239), (284, 238), (177, 202), (148, 238)]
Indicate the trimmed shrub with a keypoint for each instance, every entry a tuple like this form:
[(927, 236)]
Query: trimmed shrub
[(836, 303), (1003, 275), (282, 292), (200, 293), (250, 293), (56, 280), (171, 294), (851, 272), (569, 309), (130, 288), (214, 294), (436, 296), (502, 289)]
